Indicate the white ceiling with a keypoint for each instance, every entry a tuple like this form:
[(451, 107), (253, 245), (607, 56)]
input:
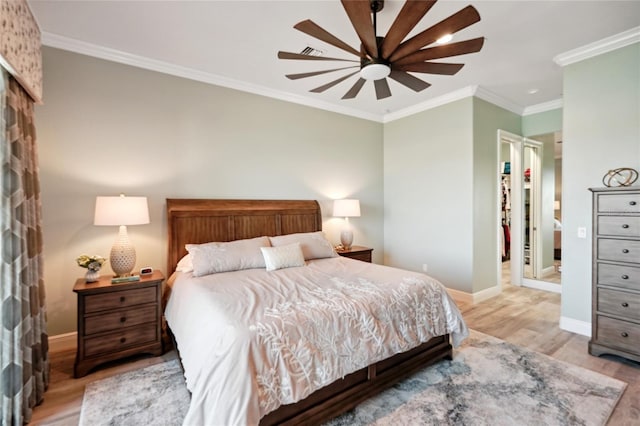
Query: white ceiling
[(235, 44)]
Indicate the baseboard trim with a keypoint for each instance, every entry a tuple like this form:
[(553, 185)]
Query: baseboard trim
[(575, 326), (473, 298), (63, 342)]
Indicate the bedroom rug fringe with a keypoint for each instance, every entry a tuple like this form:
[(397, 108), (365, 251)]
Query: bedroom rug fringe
[(489, 382)]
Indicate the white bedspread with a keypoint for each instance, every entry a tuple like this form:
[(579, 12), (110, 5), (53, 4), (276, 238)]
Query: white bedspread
[(253, 340)]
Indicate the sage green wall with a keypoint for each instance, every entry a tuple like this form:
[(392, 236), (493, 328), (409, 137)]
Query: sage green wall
[(542, 123), (428, 187), (107, 128), (601, 131), (487, 119)]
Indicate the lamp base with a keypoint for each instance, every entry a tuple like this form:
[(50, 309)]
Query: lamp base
[(346, 239), (123, 254)]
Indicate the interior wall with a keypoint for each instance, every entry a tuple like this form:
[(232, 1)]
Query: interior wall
[(428, 189), (487, 120), (107, 128), (601, 131)]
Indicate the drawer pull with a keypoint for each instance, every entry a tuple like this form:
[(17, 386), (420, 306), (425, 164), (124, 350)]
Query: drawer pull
[(632, 203), (625, 226), (624, 334), (124, 339), (122, 298), (625, 304), (625, 277), (625, 251), (123, 319)]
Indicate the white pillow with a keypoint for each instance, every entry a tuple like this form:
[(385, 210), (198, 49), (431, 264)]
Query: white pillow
[(283, 256), (314, 245), (185, 264), (211, 258)]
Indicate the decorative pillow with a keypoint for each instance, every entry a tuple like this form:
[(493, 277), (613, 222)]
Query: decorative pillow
[(185, 264), (211, 258), (283, 256), (314, 245)]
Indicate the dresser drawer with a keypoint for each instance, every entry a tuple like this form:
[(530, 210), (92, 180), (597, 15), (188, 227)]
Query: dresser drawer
[(623, 226), (620, 276), (622, 203), (619, 334), (121, 340), (119, 299), (119, 319), (619, 250), (619, 303)]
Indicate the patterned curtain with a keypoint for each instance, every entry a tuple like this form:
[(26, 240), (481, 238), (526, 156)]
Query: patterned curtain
[(24, 359)]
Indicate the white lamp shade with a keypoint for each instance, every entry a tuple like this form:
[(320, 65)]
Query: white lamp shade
[(116, 211), (346, 208)]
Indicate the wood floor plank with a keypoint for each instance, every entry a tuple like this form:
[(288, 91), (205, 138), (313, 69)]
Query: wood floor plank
[(525, 317)]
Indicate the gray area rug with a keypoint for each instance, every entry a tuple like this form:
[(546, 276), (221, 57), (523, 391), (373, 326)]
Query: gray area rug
[(489, 382)]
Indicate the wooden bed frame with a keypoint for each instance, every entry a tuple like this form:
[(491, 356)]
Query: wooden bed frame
[(195, 221)]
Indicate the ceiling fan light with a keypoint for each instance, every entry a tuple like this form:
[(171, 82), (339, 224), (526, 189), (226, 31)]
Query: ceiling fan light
[(375, 71), (445, 39)]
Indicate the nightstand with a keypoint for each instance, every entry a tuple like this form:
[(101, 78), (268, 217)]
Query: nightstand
[(117, 320), (357, 252)]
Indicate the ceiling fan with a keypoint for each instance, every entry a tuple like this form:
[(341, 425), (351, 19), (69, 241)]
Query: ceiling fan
[(391, 56)]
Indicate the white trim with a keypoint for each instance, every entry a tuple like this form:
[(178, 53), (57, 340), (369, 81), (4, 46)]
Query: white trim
[(605, 45), (548, 270), (63, 342), (542, 285), (491, 97), (89, 49), (543, 107), (473, 298), (465, 92), (575, 326)]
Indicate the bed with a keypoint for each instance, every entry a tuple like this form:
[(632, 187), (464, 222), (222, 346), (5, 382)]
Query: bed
[(221, 354)]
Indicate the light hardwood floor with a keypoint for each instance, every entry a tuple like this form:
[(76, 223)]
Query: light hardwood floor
[(525, 317)]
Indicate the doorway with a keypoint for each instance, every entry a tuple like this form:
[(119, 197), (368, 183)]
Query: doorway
[(526, 224)]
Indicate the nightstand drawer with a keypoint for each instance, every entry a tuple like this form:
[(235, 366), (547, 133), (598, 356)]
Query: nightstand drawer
[(620, 334), (119, 319), (619, 303), (623, 226), (118, 341), (618, 275), (622, 203), (364, 256), (619, 250), (119, 299)]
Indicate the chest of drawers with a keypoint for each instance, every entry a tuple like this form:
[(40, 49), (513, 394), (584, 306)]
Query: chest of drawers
[(117, 320), (616, 272)]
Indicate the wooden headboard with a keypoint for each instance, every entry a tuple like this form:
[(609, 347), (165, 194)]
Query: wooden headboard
[(197, 221)]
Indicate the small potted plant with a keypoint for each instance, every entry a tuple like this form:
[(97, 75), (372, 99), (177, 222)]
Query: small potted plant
[(93, 265)]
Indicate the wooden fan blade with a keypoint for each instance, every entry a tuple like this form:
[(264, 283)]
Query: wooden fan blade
[(289, 55), (355, 89), (332, 83), (408, 80), (359, 13), (431, 68), (410, 14), (382, 88), (444, 51), (314, 30), (314, 73), (462, 19)]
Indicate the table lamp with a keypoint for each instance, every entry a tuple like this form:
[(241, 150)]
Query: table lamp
[(121, 211), (346, 208)]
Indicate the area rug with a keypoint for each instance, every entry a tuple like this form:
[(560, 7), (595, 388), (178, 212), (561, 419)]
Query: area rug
[(489, 382)]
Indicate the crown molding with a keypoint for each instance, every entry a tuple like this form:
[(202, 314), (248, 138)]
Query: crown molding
[(605, 45), (465, 92), (114, 55), (543, 107), (491, 97)]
